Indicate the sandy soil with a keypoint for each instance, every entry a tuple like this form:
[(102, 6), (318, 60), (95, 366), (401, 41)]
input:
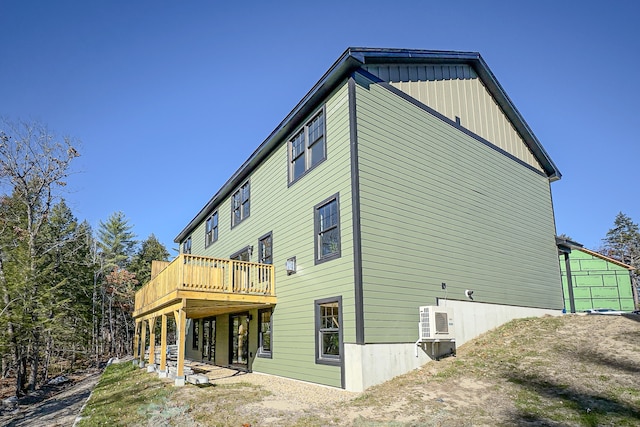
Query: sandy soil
[(581, 370)]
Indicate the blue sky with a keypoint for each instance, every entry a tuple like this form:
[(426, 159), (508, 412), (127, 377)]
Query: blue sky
[(168, 99)]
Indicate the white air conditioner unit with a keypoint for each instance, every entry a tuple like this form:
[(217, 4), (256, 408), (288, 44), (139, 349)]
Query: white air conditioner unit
[(436, 324)]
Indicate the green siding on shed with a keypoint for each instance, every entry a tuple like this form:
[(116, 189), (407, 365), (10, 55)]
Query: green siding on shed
[(597, 283), (439, 206), (288, 212)]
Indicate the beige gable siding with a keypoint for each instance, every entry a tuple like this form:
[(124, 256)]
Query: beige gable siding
[(288, 212), (457, 91), (439, 206)]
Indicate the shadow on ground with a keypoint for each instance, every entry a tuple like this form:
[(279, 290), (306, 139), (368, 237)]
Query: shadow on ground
[(591, 409)]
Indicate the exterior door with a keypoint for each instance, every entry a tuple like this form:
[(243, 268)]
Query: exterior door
[(241, 271), (239, 351), (243, 255), (209, 339)]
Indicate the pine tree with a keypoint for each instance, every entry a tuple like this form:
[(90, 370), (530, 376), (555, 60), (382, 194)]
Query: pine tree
[(68, 273), (623, 241), (150, 250), (116, 241)]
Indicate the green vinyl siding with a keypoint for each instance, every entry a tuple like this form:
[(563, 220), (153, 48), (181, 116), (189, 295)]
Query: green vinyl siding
[(597, 283), (440, 206), (288, 212), (456, 91)]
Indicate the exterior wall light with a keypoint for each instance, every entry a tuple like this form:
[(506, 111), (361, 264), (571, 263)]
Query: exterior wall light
[(291, 266)]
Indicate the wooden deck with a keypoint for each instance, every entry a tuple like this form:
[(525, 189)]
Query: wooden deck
[(195, 287), (231, 284)]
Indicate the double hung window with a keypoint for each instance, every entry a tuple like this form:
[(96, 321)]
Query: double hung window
[(186, 246), (265, 249), (211, 229), (328, 313), (308, 147), (240, 204), (327, 230)]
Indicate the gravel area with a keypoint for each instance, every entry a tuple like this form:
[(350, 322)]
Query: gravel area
[(286, 401), (293, 392), (286, 393)]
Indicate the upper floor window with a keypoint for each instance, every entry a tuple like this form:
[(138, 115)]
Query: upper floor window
[(327, 230), (186, 246), (308, 147), (240, 204), (211, 229), (265, 249)]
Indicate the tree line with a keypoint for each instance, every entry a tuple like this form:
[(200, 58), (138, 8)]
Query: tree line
[(66, 292)]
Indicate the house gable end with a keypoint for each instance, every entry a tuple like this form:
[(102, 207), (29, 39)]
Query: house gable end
[(458, 93)]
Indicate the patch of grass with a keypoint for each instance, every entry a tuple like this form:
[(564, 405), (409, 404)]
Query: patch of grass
[(362, 422), (222, 404), (308, 421), (124, 396), (450, 372)]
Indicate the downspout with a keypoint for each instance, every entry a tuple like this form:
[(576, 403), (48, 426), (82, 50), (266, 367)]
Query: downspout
[(572, 304)]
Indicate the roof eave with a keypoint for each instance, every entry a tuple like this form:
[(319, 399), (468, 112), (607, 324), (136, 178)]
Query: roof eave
[(336, 73), (350, 60)]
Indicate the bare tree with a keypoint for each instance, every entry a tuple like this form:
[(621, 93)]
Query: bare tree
[(34, 166)]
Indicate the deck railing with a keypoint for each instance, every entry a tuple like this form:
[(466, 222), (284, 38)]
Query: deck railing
[(204, 274)]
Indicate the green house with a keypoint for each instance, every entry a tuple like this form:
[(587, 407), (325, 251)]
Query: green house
[(402, 179), (591, 280)]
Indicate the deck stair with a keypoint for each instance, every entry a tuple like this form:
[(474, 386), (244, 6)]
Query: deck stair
[(172, 353)]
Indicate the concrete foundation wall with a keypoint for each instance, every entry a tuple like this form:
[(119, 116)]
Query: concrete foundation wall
[(473, 318), (371, 364)]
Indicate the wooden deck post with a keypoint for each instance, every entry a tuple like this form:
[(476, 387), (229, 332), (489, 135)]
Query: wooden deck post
[(143, 340), (272, 281), (182, 332), (163, 347), (136, 340), (152, 341)]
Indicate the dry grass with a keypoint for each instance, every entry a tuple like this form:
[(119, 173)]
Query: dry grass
[(552, 371)]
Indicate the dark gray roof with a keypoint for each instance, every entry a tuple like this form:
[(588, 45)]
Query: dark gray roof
[(349, 61)]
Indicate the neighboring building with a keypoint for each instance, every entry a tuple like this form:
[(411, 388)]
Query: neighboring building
[(591, 280), (399, 172)]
